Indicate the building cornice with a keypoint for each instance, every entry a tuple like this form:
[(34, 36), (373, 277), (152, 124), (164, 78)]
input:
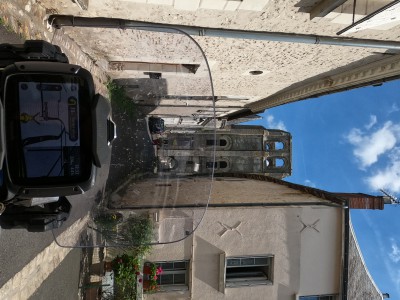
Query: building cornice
[(372, 73)]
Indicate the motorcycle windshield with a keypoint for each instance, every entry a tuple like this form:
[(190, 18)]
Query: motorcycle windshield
[(155, 185)]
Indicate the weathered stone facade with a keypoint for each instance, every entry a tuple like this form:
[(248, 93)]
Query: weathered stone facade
[(249, 75), (238, 149)]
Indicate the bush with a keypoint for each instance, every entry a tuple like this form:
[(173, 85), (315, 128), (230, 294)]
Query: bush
[(118, 97), (138, 232), (126, 269)]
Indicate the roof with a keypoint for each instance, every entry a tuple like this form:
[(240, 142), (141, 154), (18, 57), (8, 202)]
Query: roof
[(360, 286)]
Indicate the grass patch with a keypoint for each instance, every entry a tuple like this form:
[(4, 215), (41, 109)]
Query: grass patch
[(6, 25), (119, 98)]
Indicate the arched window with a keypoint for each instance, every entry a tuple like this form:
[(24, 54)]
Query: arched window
[(223, 142), (223, 164), (279, 145), (279, 162), (217, 165), (274, 145), (220, 142), (274, 162)]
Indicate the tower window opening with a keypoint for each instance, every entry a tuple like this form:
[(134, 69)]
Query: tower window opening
[(220, 142), (279, 146), (279, 162)]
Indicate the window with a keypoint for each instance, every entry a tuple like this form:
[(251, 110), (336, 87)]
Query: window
[(210, 165), (221, 142), (174, 276), (275, 162), (320, 297), (279, 146), (223, 164), (279, 162), (248, 271), (217, 165), (274, 145)]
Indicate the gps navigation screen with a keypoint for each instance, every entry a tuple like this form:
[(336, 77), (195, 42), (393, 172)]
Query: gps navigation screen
[(49, 128)]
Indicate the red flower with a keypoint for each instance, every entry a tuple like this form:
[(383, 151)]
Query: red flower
[(137, 273), (155, 277), (140, 280), (159, 270)]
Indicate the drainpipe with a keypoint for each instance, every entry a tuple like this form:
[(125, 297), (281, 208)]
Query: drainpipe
[(345, 270), (58, 21)]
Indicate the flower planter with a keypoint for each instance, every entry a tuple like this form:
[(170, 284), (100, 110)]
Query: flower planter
[(146, 285), (146, 269), (150, 276)]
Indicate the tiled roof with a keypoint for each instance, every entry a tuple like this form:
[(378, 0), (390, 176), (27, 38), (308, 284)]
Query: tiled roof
[(361, 286)]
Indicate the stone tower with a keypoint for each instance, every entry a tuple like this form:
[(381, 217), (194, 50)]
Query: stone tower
[(238, 149)]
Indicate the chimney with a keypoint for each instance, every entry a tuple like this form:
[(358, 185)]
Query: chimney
[(363, 201), (385, 296)]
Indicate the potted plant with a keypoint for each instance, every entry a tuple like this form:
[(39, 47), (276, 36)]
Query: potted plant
[(150, 275), (126, 270)]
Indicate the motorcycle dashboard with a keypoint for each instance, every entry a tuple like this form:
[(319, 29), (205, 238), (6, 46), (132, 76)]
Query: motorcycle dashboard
[(48, 128)]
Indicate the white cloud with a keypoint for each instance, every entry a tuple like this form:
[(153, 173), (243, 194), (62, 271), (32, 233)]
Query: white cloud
[(309, 183), (372, 121), (272, 124), (394, 255), (368, 147), (386, 178), (394, 108)]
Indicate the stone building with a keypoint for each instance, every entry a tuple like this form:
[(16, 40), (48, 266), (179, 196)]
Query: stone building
[(260, 238), (302, 240), (238, 149), (249, 75)]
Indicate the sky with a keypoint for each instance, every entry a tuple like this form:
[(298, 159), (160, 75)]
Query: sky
[(350, 142)]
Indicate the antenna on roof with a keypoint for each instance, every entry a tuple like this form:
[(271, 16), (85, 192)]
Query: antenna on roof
[(392, 199)]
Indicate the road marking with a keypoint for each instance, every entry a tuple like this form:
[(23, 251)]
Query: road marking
[(29, 279)]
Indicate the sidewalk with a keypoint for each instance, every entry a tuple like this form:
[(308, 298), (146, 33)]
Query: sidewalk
[(30, 278)]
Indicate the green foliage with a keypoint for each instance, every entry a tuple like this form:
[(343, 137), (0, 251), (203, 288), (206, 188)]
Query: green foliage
[(126, 269), (135, 232), (6, 25), (120, 99), (107, 220), (138, 231)]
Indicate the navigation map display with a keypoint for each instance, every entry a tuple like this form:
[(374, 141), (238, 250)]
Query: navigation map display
[(49, 128)]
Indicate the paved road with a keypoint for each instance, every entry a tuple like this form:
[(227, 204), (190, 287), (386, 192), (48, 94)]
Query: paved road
[(63, 282), (18, 248), (30, 263)]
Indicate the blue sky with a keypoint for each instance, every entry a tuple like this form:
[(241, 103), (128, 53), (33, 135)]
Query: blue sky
[(350, 142)]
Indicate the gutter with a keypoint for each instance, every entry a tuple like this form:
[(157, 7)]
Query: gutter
[(222, 205), (346, 241), (59, 21)]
